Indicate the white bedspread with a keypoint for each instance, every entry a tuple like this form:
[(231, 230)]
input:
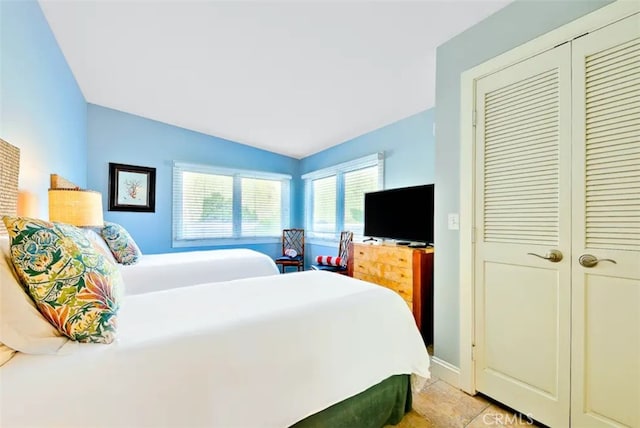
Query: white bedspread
[(170, 270), (259, 352)]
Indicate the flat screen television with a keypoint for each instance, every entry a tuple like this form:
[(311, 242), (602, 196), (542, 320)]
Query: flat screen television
[(404, 214)]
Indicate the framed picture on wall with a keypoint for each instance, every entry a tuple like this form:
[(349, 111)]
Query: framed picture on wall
[(132, 188)]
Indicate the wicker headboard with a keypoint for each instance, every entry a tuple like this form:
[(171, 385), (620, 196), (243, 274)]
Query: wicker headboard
[(9, 170)]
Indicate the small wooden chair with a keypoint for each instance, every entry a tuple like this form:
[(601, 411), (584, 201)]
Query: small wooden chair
[(346, 238), (292, 239)]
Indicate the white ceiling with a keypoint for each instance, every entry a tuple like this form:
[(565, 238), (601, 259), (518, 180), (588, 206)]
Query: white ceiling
[(290, 77)]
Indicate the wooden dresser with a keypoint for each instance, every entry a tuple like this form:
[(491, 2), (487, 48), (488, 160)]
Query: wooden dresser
[(407, 271)]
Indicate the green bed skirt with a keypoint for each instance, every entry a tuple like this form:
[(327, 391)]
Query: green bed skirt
[(382, 404)]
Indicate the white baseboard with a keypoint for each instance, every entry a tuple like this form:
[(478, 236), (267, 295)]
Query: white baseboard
[(445, 371)]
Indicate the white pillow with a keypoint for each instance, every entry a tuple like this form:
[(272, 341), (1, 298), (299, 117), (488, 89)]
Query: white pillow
[(22, 326)]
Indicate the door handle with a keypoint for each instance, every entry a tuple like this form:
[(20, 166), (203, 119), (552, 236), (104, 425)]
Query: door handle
[(589, 260), (554, 256)]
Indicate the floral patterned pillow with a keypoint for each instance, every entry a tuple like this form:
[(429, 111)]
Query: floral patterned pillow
[(71, 282), (122, 246)]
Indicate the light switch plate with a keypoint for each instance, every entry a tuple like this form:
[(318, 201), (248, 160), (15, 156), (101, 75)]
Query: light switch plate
[(454, 221)]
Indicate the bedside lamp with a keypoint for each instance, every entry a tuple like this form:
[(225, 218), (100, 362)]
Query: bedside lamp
[(82, 208)]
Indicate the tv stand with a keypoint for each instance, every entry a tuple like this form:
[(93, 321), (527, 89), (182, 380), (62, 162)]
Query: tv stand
[(403, 243), (370, 239), (407, 271)]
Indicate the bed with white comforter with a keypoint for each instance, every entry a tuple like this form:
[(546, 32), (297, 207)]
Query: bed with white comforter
[(154, 272), (257, 352)]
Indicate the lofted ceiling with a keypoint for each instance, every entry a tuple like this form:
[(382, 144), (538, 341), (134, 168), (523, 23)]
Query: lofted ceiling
[(290, 77)]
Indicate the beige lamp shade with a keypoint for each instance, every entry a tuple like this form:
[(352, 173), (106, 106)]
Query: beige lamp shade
[(27, 204), (78, 207)]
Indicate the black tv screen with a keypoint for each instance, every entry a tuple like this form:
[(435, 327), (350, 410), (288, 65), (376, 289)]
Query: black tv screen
[(404, 214)]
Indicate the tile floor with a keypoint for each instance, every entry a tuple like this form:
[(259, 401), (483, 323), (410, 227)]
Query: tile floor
[(440, 405)]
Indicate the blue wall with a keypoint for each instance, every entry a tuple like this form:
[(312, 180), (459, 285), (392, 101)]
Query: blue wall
[(118, 137), (42, 110), (409, 159)]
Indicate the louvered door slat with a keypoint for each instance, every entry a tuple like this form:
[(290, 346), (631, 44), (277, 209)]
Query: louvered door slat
[(545, 105), (620, 203), (613, 86), (612, 169), (610, 121), (542, 145), (623, 71), (546, 205), (532, 101), (501, 169), (521, 161), (623, 114), (618, 219), (622, 105), (624, 210), (611, 126), (504, 99), (510, 92), (529, 191), (521, 183), (530, 126), (612, 139), (613, 52), (622, 162), (623, 152), (501, 151), (612, 99), (507, 157), (617, 188), (514, 172), (624, 179), (628, 104), (610, 59), (620, 91)]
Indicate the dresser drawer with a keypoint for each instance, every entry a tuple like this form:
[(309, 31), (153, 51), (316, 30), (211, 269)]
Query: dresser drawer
[(384, 271), (395, 256)]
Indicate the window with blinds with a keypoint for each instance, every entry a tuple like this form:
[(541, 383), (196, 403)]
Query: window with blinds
[(211, 204), (335, 196)]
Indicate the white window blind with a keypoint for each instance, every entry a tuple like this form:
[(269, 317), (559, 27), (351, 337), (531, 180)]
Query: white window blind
[(207, 206), (211, 204), (335, 195), (356, 184), (261, 207), (324, 205)]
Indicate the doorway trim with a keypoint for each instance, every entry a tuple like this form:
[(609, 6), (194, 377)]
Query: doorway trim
[(597, 19)]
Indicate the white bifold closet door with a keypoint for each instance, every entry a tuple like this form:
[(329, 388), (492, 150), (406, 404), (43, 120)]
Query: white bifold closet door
[(605, 366), (523, 214), (557, 218)]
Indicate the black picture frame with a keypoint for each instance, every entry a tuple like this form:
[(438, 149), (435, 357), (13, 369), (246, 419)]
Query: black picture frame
[(132, 188)]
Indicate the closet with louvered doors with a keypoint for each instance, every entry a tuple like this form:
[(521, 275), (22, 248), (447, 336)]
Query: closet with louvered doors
[(557, 218)]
